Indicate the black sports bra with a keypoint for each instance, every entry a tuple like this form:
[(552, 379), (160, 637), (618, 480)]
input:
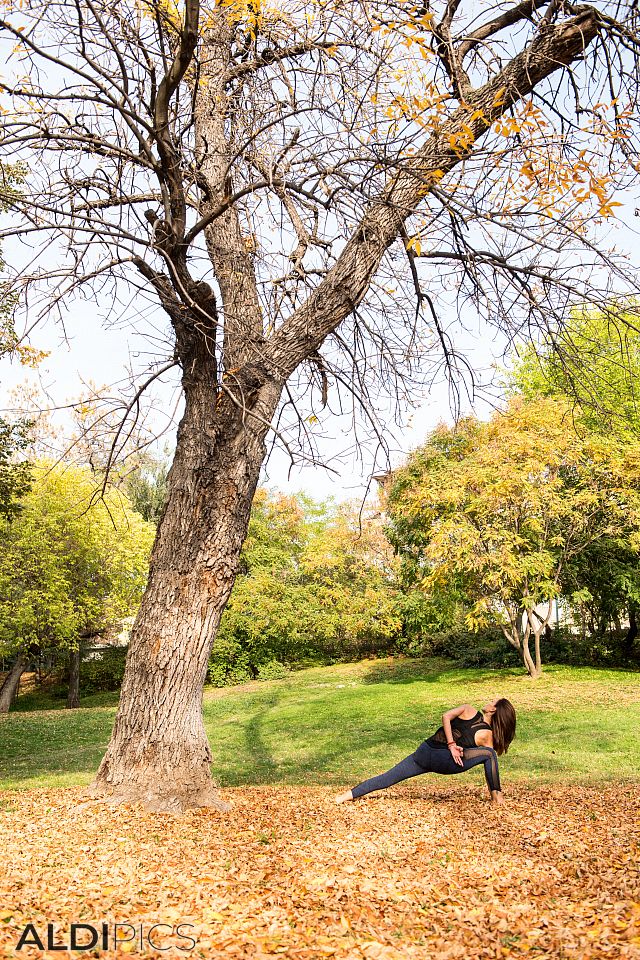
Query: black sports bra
[(463, 731)]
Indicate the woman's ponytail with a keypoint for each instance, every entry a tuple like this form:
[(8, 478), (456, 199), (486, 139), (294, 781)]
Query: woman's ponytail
[(503, 725)]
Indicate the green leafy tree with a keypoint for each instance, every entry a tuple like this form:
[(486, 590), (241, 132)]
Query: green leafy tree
[(605, 577), (70, 567), (11, 176), (509, 504), (15, 474), (313, 582), (593, 362), (146, 487)]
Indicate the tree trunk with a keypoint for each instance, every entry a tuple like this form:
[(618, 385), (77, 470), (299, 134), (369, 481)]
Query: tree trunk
[(73, 696), (537, 654), (532, 668), (159, 753), (521, 644), (604, 624), (512, 632), (526, 657), (11, 685)]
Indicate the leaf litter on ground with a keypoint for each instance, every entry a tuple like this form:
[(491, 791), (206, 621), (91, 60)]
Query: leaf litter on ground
[(431, 872)]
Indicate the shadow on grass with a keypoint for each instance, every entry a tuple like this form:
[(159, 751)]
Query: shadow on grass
[(326, 742), (261, 760), (328, 732), (349, 759)]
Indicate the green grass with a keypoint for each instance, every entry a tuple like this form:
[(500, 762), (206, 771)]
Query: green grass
[(337, 725)]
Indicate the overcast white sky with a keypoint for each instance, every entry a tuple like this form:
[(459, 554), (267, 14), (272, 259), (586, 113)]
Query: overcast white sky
[(101, 352)]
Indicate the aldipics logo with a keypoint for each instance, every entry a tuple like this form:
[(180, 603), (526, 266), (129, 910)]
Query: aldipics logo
[(105, 936)]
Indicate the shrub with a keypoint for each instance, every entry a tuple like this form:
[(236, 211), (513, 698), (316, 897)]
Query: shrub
[(272, 670), (564, 646), (486, 648), (230, 662), (104, 671)]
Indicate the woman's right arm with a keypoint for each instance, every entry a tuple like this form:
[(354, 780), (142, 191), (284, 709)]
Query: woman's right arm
[(454, 749)]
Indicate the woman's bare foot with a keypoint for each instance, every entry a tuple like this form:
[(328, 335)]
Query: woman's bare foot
[(343, 797), (496, 797)]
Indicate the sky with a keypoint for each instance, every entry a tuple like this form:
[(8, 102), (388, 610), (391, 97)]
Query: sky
[(92, 349), (95, 350)]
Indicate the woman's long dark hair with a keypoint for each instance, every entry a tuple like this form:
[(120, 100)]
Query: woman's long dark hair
[(503, 725)]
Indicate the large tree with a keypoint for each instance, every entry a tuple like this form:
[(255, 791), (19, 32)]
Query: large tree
[(283, 180)]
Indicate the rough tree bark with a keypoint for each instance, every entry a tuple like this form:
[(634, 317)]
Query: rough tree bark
[(159, 752)]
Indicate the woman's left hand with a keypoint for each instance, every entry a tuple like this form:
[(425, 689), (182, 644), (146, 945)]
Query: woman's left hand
[(456, 753)]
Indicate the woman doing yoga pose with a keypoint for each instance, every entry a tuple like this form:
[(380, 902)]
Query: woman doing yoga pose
[(466, 738)]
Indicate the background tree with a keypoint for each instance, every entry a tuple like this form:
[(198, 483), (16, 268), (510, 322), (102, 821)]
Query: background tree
[(146, 486), (287, 180), (316, 581), (67, 569), (11, 176), (15, 473), (593, 362), (509, 504), (606, 578)]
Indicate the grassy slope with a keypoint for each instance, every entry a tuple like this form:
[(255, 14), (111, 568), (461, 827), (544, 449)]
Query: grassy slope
[(340, 724)]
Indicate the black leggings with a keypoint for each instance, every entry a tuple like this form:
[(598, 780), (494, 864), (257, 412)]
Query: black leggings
[(437, 760)]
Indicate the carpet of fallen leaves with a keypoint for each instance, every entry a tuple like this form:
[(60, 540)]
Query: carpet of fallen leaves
[(425, 871)]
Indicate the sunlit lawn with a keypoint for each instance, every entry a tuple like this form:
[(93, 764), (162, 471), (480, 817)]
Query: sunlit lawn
[(427, 869), (338, 724)]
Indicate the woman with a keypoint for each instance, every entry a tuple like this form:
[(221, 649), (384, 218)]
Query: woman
[(466, 738)]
